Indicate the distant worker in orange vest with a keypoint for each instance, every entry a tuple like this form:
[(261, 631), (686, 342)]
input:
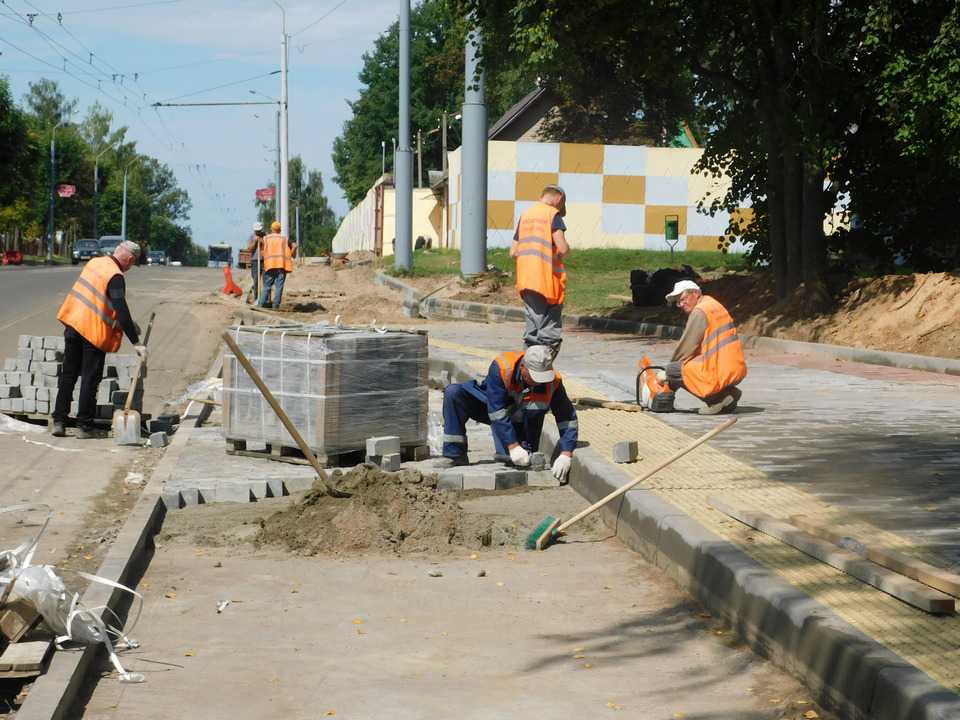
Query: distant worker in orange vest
[(277, 254), (95, 318), (539, 246), (708, 361)]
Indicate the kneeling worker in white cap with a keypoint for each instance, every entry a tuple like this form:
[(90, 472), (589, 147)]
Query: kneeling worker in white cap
[(708, 361), (514, 398)]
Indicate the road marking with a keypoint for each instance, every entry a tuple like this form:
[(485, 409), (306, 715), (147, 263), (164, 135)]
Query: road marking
[(24, 318)]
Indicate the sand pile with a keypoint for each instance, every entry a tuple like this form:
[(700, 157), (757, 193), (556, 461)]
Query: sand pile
[(399, 512)]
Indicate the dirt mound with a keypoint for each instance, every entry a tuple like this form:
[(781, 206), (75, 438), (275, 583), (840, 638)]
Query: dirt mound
[(401, 512)]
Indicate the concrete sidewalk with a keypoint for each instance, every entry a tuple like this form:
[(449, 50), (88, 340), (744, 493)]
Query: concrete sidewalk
[(865, 449)]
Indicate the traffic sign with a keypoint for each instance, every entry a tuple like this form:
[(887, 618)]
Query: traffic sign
[(264, 194), (66, 191)]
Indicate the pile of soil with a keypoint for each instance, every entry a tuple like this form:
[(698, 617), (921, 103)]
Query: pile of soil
[(400, 513)]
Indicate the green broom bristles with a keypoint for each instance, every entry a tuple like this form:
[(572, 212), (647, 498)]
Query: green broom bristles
[(538, 531)]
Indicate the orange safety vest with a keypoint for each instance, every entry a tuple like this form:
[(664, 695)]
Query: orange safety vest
[(87, 308), (538, 267), (276, 253), (538, 397), (719, 363)]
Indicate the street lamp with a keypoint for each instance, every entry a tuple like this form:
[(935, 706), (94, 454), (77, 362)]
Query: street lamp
[(276, 195), (123, 214), (383, 158), (96, 187), (53, 184), (284, 130)]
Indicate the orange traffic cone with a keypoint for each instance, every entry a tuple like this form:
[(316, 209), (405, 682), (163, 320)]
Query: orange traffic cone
[(231, 288)]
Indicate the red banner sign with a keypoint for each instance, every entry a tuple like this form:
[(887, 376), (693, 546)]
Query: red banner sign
[(264, 194), (66, 191)]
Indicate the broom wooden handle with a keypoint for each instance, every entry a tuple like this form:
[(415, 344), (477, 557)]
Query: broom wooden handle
[(136, 378), (268, 396), (636, 481)]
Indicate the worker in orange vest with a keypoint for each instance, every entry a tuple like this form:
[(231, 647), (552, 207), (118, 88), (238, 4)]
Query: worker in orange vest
[(539, 246), (95, 318), (708, 361), (277, 254)]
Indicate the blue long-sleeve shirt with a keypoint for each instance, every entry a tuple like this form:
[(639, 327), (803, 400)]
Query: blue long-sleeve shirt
[(515, 419)]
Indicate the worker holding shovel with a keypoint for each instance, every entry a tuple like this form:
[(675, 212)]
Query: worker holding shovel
[(95, 318)]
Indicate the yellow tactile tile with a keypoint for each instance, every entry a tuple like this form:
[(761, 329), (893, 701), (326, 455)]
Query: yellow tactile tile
[(931, 643)]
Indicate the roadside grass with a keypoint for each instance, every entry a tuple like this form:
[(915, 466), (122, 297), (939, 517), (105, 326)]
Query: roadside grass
[(42, 260), (592, 274)]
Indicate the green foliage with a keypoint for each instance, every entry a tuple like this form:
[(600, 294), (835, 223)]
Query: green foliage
[(437, 85), (154, 198), (318, 221)]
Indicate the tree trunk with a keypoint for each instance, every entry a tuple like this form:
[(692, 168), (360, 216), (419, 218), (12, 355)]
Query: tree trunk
[(775, 224), (792, 217), (814, 241)]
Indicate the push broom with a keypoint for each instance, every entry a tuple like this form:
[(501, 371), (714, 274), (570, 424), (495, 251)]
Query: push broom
[(547, 532)]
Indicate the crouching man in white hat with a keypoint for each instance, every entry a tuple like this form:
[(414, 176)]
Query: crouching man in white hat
[(708, 361)]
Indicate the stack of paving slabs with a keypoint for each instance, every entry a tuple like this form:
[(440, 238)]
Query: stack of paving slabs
[(339, 386), (28, 382)]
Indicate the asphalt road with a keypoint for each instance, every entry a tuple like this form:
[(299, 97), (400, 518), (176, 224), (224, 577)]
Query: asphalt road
[(83, 480)]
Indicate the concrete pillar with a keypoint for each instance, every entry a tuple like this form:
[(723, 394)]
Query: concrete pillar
[(403, 172), (473, 194)]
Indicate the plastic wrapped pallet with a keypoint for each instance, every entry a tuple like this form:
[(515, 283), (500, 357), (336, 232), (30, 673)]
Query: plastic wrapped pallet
[(338, 385)]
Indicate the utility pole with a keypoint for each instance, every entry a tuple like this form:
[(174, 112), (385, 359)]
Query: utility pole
[(96, 190), (443, 143), (299, 248), (276, 195), (123, 213), (284, 131), (53, 190), (473, 225), (383, 158), (403, 248), (419, 158)]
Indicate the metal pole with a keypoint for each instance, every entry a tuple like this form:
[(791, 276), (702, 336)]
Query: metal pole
[(53, 184), (284, 134), (276, 194), (96, 195), (404, 171), (473, 225), (419, 158), (299, 249), (123, 213), (443, 142), (383, 158)]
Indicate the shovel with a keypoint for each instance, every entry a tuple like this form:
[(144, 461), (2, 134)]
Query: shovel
[(126, 422)]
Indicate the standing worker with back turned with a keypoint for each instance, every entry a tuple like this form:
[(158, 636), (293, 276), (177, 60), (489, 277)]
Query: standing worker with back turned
[(95, 317), (277, 254), (253, 247), (708, 361), (539, 246)]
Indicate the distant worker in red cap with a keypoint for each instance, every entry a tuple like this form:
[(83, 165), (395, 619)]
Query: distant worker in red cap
[(539, 246), (708, 361), (277, 254)]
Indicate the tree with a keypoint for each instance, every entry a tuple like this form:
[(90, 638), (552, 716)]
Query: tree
[(318, 222), (47, 104), (437, 84), (19, 150)]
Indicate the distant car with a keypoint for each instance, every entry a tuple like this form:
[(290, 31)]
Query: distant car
[(11, 257), (108, 243), (157, 257), (176, 263), (84, 250)]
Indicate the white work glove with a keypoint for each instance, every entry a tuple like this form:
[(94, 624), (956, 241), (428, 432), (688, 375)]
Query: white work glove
[(561, 467), (662, 377), (519, 456), (141, 352)]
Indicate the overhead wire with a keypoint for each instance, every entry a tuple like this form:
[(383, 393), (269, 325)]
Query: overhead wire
[(219, 87)]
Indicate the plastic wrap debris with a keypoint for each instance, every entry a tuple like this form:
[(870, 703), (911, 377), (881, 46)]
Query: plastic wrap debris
[(338, 385), (435, 433), (9, 425), (68, 619), (205, 388)]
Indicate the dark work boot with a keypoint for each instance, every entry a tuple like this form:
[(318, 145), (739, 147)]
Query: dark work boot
[(58, 429), (89, 433)]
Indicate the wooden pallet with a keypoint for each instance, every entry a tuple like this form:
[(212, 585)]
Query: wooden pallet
[(25, 659), (293, 455)]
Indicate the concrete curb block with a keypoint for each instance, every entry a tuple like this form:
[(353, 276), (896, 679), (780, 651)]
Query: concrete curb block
[(848, 671), (56, 694), (441, 309), (460, 310)]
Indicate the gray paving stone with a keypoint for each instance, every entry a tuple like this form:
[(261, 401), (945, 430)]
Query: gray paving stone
[(36, 342), (390, 462), (23, 341), (385, 445), (274, 487), (450, 480), (541, 478), (43, 407), (190, 496), (538, 461), (625, 452), (171, 499), (16, 405), (9, 391), (9, 363), (297, 484), (28, 392), (29, 405), (228, 491), (157, 440), (51, 369)]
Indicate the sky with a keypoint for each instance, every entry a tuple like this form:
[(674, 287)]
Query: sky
[(168, 49)]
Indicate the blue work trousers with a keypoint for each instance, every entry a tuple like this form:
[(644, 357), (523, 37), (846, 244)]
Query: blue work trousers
[(273, 279), (460, 405)]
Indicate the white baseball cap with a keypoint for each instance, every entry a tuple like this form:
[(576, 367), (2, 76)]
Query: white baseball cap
[(539, 362), (681, 287), (258, 227)]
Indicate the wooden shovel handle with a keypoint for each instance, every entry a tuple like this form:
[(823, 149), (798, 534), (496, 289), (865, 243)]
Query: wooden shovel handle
[(136, 378), (268, 396), (636, 481)]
